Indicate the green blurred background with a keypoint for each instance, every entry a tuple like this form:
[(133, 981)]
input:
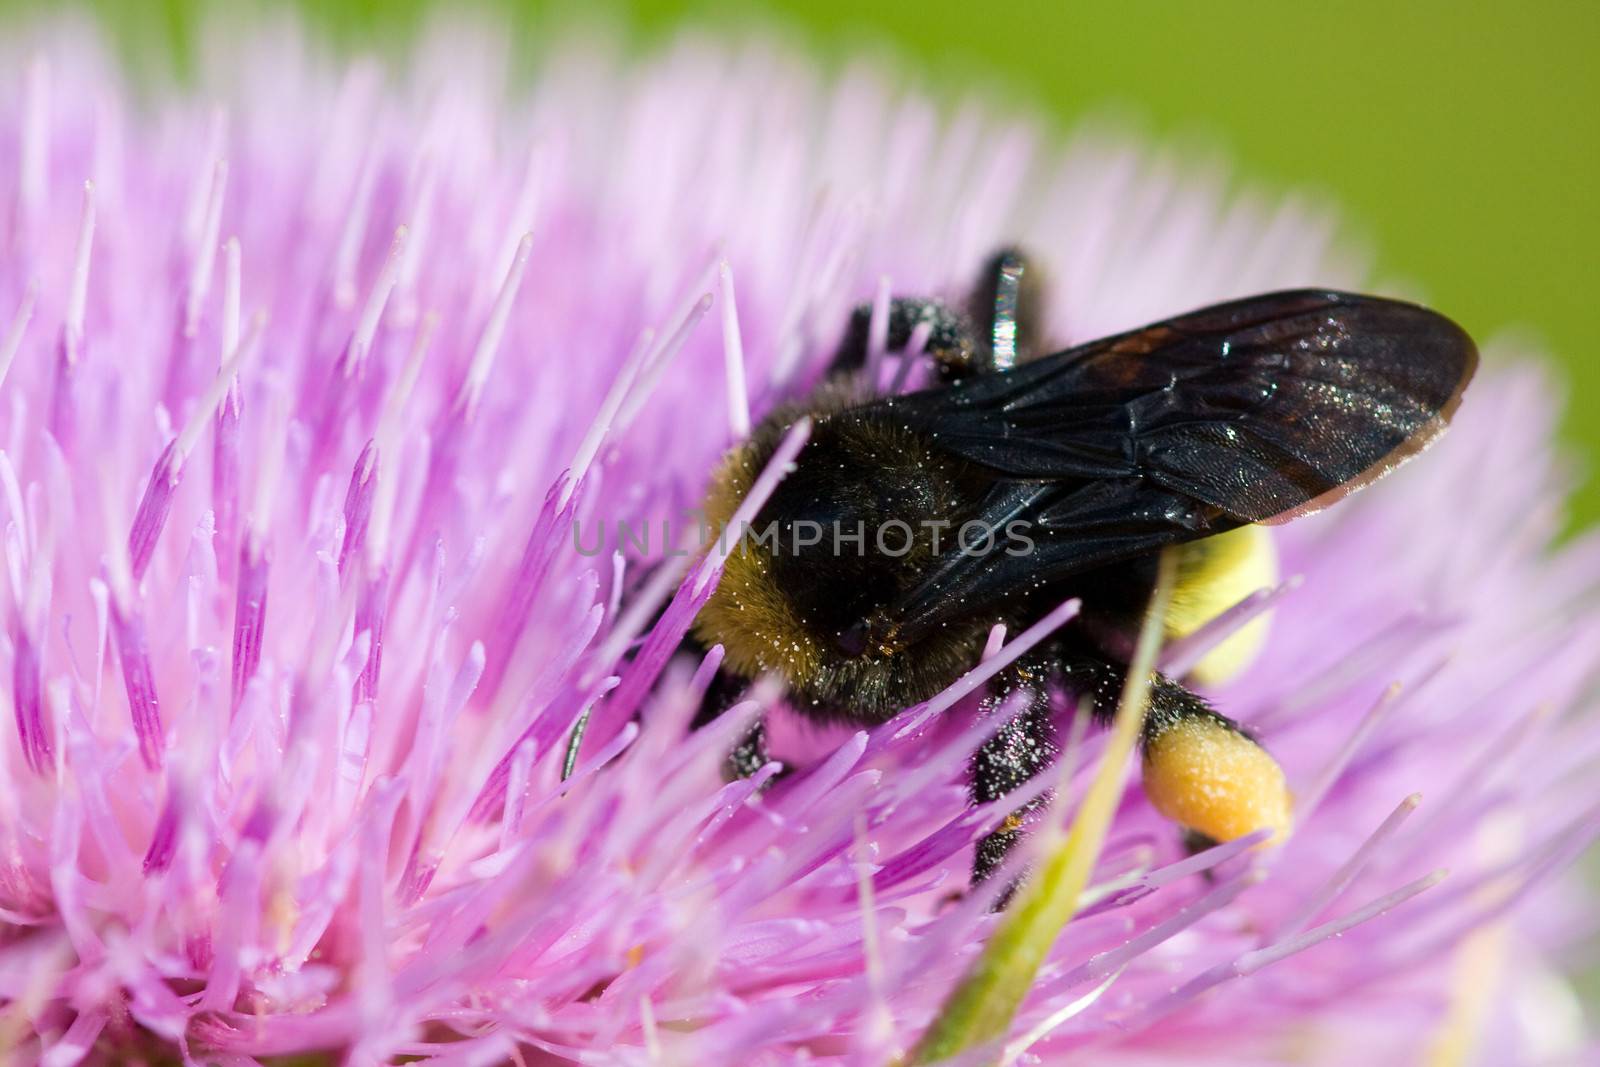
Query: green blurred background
[(1459, 138)]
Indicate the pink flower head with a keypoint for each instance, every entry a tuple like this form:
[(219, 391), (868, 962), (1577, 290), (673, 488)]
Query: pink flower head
[(309, 380)]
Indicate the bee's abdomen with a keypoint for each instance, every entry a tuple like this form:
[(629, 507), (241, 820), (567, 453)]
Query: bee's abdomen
[(1214, 574)]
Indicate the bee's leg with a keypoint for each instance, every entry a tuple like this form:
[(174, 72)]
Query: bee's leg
[(722, 692), (1007, 305), (750, 754), (1020, 749), (1194, 841), (954, 343), (997, 331), (1185, 741)]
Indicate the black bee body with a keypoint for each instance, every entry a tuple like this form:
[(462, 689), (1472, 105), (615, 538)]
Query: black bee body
[(913, 524)]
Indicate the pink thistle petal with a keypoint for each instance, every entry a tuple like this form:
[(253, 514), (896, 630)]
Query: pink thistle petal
[(249, 616), (225, 457), (371, 610), (27, 697), (358, 504), (138, 676), (154, 507)]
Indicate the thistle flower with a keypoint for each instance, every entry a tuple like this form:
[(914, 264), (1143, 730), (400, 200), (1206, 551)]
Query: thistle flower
[(308, 382)]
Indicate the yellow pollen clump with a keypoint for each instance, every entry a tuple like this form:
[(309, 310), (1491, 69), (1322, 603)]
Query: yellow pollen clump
[(1204, 776), (1214, 574)]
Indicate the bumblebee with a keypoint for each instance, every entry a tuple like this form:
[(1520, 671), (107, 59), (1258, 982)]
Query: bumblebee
[(866, 589)]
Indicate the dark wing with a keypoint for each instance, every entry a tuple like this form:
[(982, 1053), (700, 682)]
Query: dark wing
[(1259, 410)]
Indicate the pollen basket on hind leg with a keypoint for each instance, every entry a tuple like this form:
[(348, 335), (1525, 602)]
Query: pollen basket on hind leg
[(1208, 776)]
